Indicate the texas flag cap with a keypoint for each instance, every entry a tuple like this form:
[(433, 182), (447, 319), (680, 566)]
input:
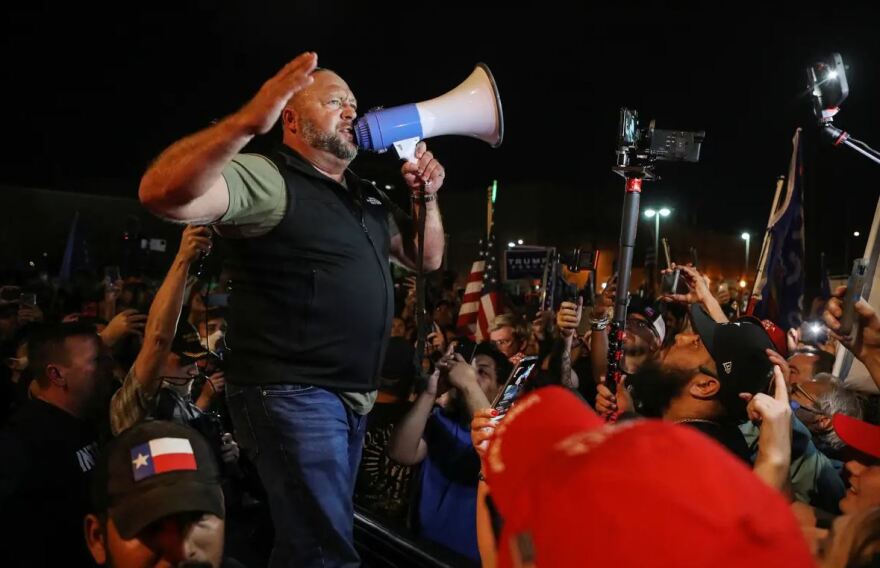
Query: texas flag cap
[(153, 470)]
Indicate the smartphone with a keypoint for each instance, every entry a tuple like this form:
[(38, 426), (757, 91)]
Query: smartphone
[(466, 349), (628, 128), (666, 254), (28, 299), (514, 385), (112, 275), (695, 261), (813, 333), (673, 282), (854, 287)]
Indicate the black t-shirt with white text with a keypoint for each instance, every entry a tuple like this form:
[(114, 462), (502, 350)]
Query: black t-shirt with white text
[(45, 470)]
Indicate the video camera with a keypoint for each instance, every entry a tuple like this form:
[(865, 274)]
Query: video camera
[(826, 82), (578, 259), (557, 289), (828, 87), (641, 147)]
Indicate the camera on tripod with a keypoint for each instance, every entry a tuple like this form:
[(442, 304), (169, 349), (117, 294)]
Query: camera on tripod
[(641, 147)]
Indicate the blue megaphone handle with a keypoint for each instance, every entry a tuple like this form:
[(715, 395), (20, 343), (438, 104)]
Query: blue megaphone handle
[(378, 130)]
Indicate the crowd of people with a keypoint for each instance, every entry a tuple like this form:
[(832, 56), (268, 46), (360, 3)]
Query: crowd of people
[(241, 418)]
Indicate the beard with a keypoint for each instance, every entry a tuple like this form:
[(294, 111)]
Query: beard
[(333, 143), (653, 388)]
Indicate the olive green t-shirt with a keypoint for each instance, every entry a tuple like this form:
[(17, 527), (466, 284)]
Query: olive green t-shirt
[(258, 203)]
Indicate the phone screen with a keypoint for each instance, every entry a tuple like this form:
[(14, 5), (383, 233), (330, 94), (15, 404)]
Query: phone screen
[(514, 386)]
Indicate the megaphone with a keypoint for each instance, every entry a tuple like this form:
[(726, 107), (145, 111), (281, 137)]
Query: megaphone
[(471, 109)]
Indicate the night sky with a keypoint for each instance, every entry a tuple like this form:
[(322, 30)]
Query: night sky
[(92, 94)]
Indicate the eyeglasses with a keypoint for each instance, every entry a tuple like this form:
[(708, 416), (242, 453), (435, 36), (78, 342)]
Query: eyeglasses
[(502, 342)]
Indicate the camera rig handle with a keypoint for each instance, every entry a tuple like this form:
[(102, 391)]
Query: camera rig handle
[(628, 227)]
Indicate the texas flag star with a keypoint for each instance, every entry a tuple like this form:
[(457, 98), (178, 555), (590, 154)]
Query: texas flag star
[(140, 461)]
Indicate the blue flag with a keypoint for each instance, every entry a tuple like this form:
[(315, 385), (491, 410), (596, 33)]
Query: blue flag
[(782, 292), (76, 252)]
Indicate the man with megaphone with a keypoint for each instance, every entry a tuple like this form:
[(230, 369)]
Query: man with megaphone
[(312, 297)]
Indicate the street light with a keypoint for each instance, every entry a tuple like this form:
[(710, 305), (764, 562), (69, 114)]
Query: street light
[(649, 213), (856, 234), (748, 239)]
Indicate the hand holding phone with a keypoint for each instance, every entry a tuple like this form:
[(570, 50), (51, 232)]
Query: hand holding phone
[(28, 299), (673, 283), (854, 287), (514, 386)]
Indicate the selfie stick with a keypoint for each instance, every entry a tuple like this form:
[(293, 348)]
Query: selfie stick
[(634, 175), (628, 227)]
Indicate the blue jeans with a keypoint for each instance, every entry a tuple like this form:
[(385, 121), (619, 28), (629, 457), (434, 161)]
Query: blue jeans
[(306, 444)]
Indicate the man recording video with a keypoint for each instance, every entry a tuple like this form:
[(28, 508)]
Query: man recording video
[(158, 385), (311, 309)]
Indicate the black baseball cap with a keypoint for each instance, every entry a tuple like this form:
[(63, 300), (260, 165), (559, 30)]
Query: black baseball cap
[(187, 343), (651, 313), (153, 470), (739, 351)]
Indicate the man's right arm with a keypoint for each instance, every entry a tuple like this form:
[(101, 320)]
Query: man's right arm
[(133, 400), (185, 182), (165, 311)]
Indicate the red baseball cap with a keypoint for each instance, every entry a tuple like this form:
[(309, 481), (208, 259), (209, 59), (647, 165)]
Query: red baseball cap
[(574, 491), (861, 435)]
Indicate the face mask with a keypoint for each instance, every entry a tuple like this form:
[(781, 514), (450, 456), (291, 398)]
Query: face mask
[(809, 417)]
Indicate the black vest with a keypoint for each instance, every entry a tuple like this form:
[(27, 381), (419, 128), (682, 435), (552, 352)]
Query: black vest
[(312, 300)]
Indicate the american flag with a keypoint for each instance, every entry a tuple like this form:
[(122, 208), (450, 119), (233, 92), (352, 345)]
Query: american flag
[(480, 302), (781, 298)]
